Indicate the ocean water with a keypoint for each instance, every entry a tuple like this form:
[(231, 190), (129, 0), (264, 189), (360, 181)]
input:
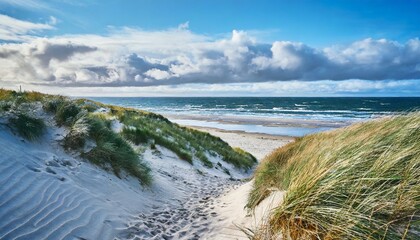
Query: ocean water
[(279, 107), (327, 109)]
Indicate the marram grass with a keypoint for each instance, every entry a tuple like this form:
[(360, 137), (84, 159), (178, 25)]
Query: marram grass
[(28, 127), (359, 182), (90, 133)]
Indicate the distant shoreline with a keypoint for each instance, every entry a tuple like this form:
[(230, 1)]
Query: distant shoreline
[(260, 120), (277, 127)]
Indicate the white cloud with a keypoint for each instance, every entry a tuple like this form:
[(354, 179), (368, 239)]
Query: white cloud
[(12, 29), (29, 4), (134, 57), (184, 26), (157, 74), (261, 89)]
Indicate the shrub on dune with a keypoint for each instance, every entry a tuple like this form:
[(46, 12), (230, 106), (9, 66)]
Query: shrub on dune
[(88, 105), (78, 133), (66, 113), (111, 149), (135, 135), (360, 182), (26, 126), (51, 105), (5, 106)]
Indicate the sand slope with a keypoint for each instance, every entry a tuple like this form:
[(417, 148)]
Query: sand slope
[(232, 216), (46, 193)]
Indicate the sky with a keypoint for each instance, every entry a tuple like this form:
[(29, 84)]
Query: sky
[(211, 48)]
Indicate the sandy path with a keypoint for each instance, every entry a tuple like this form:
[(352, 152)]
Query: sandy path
[(187, 218), (231, 204), (210, 207)]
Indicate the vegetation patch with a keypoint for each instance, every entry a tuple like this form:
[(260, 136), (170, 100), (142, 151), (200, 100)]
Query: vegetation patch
[(187, 143), (111, 149), (135, 135), (26, 126), (114, 151), (5, 106), (360, 182), (79, 131), (66, 113)]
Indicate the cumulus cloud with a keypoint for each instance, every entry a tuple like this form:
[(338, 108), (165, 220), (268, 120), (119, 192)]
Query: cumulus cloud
[(133, 57), (39, 59)]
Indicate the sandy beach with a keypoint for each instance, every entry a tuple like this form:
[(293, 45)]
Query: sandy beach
[(258, 120), (258, 144)]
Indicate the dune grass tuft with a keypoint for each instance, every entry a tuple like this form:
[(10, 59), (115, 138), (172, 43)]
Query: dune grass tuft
[(135, 135), (111, 149), (360, 182), (66, 113), (79, 131), (28, 127)]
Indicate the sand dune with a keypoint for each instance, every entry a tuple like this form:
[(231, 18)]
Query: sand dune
[(47, 193), (43, 194)]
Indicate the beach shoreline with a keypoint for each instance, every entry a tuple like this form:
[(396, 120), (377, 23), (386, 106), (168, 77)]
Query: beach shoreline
[(257, 125), (260, 120), (258, 144)]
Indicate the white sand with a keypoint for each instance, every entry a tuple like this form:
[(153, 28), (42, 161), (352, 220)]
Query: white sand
[(258, 145), (47, 193), (230, 206)]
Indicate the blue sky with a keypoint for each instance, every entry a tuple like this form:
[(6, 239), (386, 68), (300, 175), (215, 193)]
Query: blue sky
[(171, 48), (316, 23)]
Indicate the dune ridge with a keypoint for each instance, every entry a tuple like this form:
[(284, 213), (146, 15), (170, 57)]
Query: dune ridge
[(49, 190)]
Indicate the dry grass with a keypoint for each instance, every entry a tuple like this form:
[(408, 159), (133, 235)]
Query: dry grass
[(360, 182)]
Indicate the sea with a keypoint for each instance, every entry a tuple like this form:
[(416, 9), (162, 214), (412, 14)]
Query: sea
[(325, 109)]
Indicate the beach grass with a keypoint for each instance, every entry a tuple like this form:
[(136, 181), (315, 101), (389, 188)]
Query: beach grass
[(112, 149), (27, 126), (66, 112), (359, 182), (88, 121), (186, 142)]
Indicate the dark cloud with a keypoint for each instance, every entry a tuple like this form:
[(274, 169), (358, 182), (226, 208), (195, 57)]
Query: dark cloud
[(142, 65), (60, 52), (234, 60), (44, 51)]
